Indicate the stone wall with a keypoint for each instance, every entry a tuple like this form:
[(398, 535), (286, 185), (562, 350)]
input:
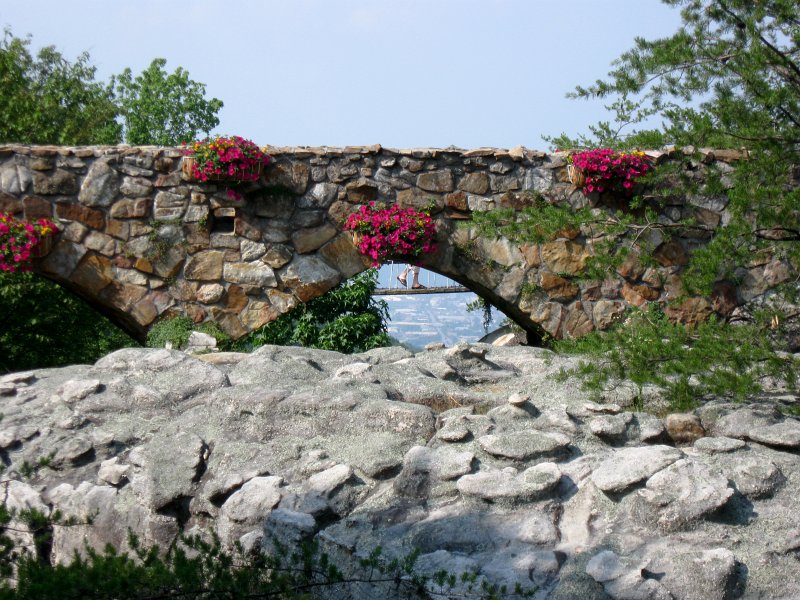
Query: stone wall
[(141, 241)]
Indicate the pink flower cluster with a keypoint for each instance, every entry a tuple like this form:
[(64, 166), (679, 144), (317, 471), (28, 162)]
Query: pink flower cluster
[(226, 158), (18, 240), (394, 232), (607, 170)]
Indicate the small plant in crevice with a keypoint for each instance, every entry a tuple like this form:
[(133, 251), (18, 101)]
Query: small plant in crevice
[(160, 244), (688, 363), (176, 332)]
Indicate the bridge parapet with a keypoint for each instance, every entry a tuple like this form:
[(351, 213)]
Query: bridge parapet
[(141, 241)]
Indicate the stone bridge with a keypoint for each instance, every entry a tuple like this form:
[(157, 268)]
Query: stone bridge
[(141, 241)]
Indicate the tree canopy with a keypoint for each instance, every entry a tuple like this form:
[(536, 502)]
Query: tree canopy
[(728, 78), (46, 99), (163, 108)]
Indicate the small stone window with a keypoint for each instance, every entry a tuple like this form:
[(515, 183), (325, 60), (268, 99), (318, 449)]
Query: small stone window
[(223, 220)]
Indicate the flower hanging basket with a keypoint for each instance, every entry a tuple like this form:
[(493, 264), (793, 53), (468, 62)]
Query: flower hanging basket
[(250, 173), (576, 176), (356, 237), (393, 233), (44, 247)]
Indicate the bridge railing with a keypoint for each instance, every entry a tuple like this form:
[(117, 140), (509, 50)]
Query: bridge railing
[(433, 283)]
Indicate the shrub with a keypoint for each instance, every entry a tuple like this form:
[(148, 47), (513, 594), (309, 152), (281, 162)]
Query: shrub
[(176, 332)]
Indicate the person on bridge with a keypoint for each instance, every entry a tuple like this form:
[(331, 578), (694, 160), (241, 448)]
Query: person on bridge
[(403, 277)]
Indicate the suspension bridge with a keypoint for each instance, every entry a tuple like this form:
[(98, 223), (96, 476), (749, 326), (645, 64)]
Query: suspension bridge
[(390, 284)]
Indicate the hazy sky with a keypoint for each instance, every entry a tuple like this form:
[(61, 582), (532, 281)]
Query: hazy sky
[(401, 73)]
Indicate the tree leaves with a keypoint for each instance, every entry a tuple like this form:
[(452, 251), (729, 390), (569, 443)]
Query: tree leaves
[(163, 108)]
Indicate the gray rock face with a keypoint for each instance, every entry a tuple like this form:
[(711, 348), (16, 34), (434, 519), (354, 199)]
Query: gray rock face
[(632, 465), (295, 444), (524, 445), (685, 491)]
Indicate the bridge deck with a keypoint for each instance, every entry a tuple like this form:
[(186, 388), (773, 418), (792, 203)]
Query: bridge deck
[(398, 291)]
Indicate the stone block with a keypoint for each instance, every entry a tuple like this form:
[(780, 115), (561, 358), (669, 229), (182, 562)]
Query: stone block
[(204, 266)]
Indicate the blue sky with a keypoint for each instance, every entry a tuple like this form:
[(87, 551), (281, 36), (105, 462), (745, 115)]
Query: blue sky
[(401, 73)]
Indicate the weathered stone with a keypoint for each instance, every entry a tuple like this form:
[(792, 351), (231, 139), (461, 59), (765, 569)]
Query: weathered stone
[(92, 274), (100, 242), (691, 311), (638, 295), (525, 445), (755, 478), (563, 256), (9, 204), (344, 256), (255, 273), (258, 314), (671, 253), (309, 277), (362, 191), (684, 428), (717, 445), (37, 208), (293, 175), (130, 208), (235, 298), (323, 194), (100, 186), (111, 471), (685, 491), (474, 183), (436, 181), (628, 466), (557, 287), (135, 187), (204, 266), (308, 240), (577, 323), (506, 485), (607, 312), (504, 183), (144, 311), (210, 293), (531, 254), (61, 182), (277, 256), (783, 435), (14, 178), (549, 316), (611, 426)]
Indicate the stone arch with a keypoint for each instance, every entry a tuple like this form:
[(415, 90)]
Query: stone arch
[(140, 239)]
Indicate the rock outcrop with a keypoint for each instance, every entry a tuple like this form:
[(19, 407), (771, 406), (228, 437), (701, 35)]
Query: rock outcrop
[(474, 455)]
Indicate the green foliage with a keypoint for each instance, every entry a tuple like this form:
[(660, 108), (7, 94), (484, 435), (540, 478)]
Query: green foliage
[(729, 77), (346, 319), (46, 326), (712, 358), (483, 305), (163, 108), (176, 331), (197, 569), (48, 100)]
